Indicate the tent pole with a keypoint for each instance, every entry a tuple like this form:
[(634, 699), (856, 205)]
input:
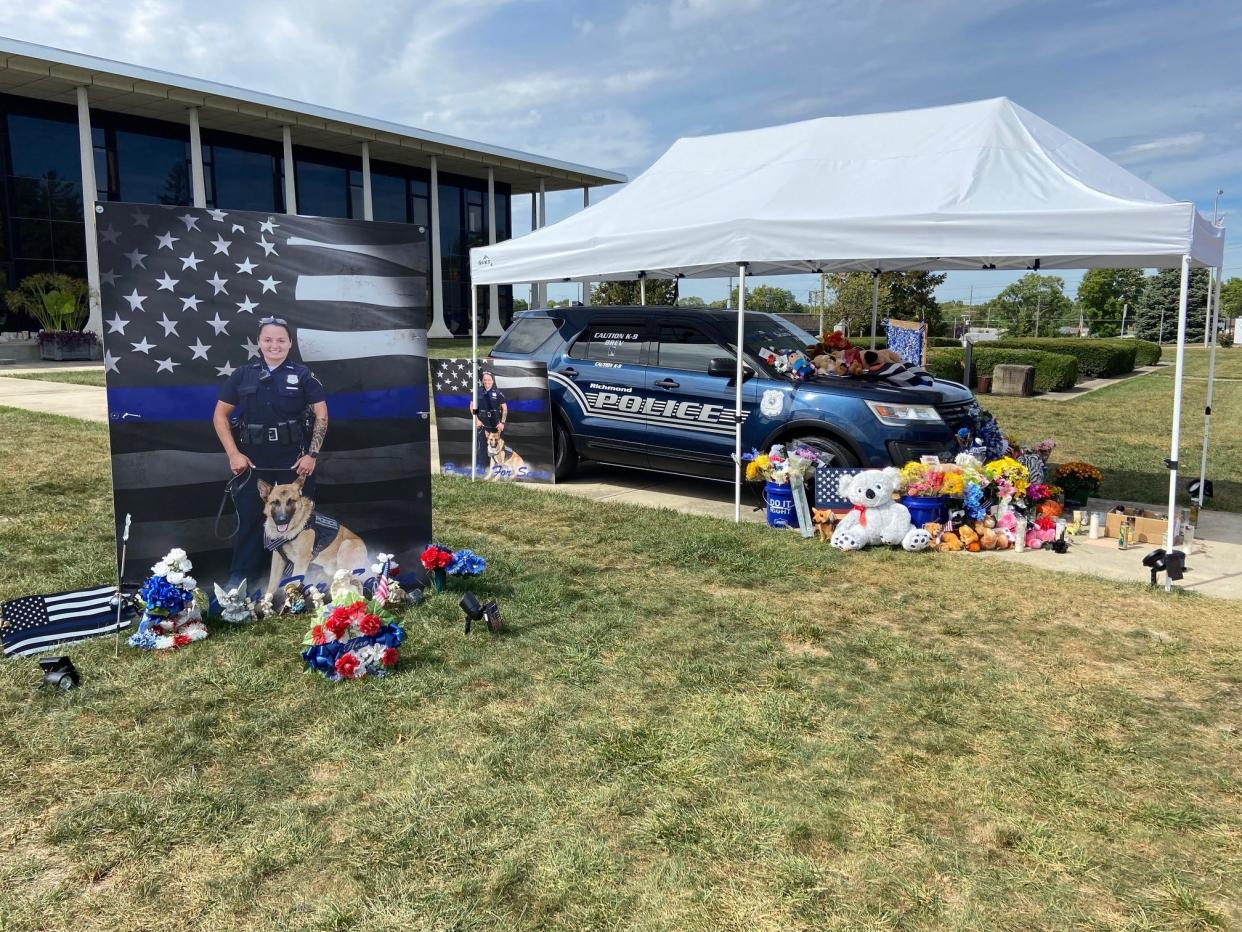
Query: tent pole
[(474, 379), (1175, 441), (1214, 324), (737, 437), (875, 303), (642, 288)]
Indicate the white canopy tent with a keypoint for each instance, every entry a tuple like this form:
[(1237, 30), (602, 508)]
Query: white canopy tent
[(982, 185)]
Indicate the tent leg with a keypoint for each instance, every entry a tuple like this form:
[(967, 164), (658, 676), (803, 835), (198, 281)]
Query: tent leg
[(737, 436), (875, 303), (642, 288), (474, 377), (1175, 441), (1213, 322)]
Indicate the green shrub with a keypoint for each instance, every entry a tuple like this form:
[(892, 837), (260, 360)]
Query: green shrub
[(1096, 358), (1224, 340), (944, 341), (1146, 352), (1054, 372)]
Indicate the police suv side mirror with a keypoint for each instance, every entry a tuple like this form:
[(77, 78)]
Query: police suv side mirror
[(726, 367)]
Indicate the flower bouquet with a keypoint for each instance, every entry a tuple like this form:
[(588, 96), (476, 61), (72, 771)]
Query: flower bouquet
[(1010, 481), (1079, 480), (170, 616), (779, 466), (352, 641), (435, 560), (466, 563), (926, 488)]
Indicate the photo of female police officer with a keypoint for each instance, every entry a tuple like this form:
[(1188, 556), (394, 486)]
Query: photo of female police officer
[(490, 411), (271, 418)]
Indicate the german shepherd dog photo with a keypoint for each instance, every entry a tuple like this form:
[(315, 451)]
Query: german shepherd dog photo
[(503, 462), (298, 535)]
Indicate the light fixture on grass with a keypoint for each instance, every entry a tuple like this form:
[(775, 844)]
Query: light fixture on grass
[(487, 612), (1159, 561), (59, 672)]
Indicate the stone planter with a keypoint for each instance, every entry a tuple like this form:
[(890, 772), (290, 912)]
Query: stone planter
[(68, 346)]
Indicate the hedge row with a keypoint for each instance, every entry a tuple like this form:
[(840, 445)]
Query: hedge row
[(1096, 358), (1054, 372), (1147, 352)]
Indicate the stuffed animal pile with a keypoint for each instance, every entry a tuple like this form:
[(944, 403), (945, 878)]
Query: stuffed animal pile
[(876, 518), (987, 534)]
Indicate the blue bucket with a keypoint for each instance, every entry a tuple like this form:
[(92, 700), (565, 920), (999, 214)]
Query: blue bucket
[(781, 511), (924, 509)]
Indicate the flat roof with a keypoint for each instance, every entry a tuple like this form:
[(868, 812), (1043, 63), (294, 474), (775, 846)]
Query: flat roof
[(46, 73)]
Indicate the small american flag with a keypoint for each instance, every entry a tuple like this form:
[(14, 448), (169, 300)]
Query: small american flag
[(381, 584), (40, 622), (828, 486)]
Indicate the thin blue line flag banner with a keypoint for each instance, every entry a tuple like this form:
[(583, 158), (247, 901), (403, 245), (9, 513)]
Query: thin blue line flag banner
[(41, 622)]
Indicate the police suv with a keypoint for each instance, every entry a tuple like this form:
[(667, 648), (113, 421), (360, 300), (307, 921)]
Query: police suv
[(654, 388)]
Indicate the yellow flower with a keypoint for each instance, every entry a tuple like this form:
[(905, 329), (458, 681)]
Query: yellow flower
[(952, 485)]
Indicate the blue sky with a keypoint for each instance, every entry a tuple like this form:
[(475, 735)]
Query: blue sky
[(1155, 86)]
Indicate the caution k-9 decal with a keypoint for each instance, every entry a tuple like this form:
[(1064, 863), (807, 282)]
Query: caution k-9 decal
[(619, 403)]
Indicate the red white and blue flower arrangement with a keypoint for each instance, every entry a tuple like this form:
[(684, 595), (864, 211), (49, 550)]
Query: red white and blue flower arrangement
[(440, 562), (170, 616), (353, 640)]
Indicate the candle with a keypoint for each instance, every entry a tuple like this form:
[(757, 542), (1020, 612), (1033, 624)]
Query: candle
[(1019, 543), (1093, 532)]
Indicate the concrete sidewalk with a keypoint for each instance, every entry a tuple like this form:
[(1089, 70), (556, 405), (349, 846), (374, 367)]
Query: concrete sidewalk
[(1215, 566)]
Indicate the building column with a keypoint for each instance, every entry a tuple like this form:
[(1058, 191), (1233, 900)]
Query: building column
[(198, 183), (586, 286), (437, 330), (494, 327), (368, 210), (534, 225), (86, 146), (291, 188)]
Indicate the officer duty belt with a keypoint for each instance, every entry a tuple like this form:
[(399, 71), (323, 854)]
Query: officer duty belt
[(285, 434)]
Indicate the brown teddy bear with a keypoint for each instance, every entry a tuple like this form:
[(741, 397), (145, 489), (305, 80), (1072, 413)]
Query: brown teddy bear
[(970, 540), (949, 542)]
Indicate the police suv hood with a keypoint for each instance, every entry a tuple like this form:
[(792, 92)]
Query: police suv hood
[(939, 393)]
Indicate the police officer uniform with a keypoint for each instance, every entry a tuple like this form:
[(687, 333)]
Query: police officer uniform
[(488, 411), (270, 427)]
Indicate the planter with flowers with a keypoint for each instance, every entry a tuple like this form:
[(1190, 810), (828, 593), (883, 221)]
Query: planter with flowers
[(926, 489), (778, 469), (1079, 481), (60, 303)]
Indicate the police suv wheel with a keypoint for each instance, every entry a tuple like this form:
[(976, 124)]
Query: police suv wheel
[(564, 454), (840, 455)]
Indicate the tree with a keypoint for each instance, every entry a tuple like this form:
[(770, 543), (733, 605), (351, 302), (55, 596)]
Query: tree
[(1034, 305), (659, 291), (770, 299), (904, 295), (1231, 299), (1103, 295), (520, 304), (1156, 318), (691, 301)]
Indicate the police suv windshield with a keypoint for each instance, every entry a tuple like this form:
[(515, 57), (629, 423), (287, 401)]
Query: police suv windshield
[(774, 333)]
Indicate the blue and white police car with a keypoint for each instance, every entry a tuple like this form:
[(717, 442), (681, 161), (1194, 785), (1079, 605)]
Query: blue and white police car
[(654, 388)]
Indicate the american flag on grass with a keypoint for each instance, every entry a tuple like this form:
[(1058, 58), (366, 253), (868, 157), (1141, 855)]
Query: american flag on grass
[(829, 482), (40, 622), (183, 291), (528, 429)]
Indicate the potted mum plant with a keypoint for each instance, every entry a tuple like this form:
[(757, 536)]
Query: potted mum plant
[(926, 489), (60, 304), (1078, 481)]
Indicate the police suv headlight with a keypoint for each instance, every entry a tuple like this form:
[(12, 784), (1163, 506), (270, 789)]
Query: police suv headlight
[(901, 415)]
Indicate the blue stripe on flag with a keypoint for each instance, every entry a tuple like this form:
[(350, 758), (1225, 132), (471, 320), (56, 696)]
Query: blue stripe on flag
[(198, 402), (529, 406)]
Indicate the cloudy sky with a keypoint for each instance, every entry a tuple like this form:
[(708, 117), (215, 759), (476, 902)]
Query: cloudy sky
[(1157, 86)]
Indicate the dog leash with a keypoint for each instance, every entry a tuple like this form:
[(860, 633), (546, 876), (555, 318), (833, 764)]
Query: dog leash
[(230, 493)]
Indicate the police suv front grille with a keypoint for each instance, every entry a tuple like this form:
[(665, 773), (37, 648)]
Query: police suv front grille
[(959, 414)]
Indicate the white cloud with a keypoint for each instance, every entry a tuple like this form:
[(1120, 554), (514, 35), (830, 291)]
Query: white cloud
[(1158, 148)]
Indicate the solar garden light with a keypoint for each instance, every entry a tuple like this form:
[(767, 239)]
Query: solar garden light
[(1159, 561), (59, 672), (487, 612)]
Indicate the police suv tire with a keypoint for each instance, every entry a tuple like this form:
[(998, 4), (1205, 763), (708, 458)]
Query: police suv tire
[(841, 456), (565, 457)]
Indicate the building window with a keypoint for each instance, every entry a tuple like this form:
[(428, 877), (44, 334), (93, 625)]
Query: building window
[(322, 190), (388, 198), (239, 178), (152, 169)]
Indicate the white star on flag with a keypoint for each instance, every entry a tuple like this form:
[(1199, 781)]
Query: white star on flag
[(135, 259), (269, 249), (246, 267), (135, 300), (116, 325), (166, 241), (165, 365), (226, 370), (140, 219), (109, 362), (222, 245), (218, 325), (247, 306), (143, 347), (252, 348), (109, 235), (190, 304), (218, 284), (199, 350), (191, 223), (238, 228), (170, 326), (167, 283), (217, 215), (190, 261), (269, 226), (269, 284), (107, 278)]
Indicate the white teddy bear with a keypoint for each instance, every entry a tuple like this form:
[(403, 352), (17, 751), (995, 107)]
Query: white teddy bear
[(875, 517)]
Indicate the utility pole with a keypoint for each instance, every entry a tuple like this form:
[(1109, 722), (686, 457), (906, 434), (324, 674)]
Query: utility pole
[(1124, 308)]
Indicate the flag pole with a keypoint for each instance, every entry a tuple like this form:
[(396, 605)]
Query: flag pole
[(474, 379), (120, 600)]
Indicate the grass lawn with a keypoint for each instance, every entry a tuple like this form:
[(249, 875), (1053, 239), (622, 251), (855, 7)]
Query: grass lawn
[(448, 349), (688, 725), (1124, 429), (73, 376)]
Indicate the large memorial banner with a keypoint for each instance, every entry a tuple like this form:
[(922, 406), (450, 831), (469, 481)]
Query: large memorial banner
[(509, 391), (185, 292)]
